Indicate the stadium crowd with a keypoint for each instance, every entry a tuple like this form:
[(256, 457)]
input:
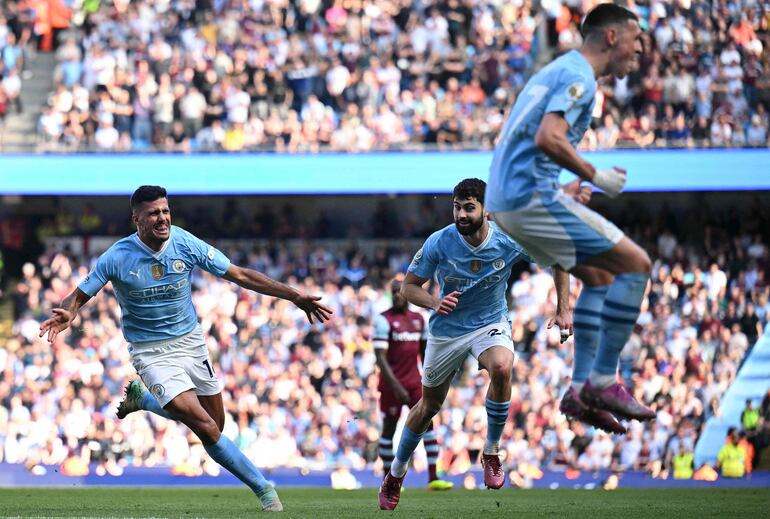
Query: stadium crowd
[(359, 75), (15, 32), (302, 395)]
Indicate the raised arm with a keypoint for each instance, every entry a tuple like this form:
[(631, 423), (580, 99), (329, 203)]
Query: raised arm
[(552, 140), (258, 282), (64, 315)]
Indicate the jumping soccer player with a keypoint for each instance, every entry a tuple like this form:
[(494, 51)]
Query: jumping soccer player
[(399, 342), (472, 261), (539, 138), (150, 273)]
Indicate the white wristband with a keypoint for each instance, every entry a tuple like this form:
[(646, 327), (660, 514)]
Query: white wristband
[(611, 181)]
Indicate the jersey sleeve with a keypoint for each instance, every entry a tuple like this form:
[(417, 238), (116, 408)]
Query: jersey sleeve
[(381, 333), (206, 256), (522, 255), (572, 94), (425, 260), (99, 275)]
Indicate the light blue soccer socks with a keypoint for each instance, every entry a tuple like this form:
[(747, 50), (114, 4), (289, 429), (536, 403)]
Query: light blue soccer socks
[(619, 315), (227, 454), (497, 415), (406, 446), (587, 323), (149, 403)]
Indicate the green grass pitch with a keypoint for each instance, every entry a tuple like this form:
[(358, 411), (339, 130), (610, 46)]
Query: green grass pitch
[(323, 503)]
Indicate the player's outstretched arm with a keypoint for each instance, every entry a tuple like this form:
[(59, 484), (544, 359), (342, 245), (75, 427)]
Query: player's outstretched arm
[(412, 289), (552, 140), (258, 282), (563, 317), (64, 315)]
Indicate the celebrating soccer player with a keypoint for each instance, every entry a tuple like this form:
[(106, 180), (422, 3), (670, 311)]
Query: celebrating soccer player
[(399, 341), (539, 138), (472, 261), (150, 273)]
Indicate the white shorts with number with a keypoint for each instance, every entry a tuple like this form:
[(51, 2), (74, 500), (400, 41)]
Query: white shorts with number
[(445, 355), (171, 367), (559, 231)]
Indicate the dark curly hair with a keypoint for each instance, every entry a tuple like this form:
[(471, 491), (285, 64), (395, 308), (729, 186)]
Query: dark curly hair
[(470, 188)]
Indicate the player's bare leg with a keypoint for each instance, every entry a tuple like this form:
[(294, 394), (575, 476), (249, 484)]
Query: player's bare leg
[(630, 266), (215, 408), (498, 361), (420, 417), (186, 407)]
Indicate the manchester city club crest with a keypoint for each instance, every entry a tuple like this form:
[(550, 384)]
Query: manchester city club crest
[(178, 266), (475, 266), (158, 390), (157, 272), (498, 264)]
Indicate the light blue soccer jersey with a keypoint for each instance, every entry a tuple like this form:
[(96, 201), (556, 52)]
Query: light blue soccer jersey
[(519, 168), (153, 288), (480, 274)]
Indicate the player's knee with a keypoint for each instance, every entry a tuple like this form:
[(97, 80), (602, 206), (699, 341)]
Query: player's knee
[(429, 408), (500, 371), (207, 430)]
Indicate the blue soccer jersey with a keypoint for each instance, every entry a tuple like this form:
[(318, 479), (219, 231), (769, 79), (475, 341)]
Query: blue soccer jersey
[(154, 288), (480, 274), (519, 168)]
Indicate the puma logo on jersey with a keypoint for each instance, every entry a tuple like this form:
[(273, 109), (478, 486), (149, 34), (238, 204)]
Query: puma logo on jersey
[(132, 273)]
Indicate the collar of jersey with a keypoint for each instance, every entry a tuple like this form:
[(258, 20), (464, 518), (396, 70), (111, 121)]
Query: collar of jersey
[(148, 250), (480, 245)]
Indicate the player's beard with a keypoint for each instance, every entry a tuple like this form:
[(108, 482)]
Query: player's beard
[(471, 227)]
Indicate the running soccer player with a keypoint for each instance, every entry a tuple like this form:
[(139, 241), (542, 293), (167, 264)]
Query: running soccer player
[(539, 138), (399, 342), (150, 273), (472, 261)]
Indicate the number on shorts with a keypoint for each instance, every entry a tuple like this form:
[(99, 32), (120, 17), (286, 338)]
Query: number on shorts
[(208, 367), (493, 332)]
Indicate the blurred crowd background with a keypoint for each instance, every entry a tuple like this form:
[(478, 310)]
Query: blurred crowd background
[(306, 396), (359, 75)]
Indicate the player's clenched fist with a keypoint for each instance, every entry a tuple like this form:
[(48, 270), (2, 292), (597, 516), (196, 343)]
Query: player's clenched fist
[(611, 181), (448, 303)]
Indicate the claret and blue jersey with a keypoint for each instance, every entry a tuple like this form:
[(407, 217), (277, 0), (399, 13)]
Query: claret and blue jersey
[(519, 168), (154, 288), (479, 273)]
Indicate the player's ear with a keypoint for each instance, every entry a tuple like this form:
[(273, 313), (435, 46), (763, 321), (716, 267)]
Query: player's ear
[(611, 36)]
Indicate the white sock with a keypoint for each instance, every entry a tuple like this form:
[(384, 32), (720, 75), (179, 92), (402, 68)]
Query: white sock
[(398, 468), (601, 381), (577, 386), (491, 447)]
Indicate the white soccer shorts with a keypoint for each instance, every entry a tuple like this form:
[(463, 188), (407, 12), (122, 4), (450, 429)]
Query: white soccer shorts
[(560, 231), (445, 355), (171, 367)]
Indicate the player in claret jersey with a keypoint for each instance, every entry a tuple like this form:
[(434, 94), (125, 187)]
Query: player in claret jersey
[(399, 342)]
